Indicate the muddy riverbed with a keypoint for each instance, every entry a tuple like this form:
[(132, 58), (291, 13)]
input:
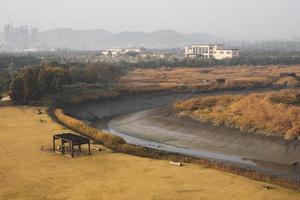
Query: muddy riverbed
[(148, 120)]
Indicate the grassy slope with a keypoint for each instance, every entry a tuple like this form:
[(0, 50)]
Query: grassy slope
[(270, 113)]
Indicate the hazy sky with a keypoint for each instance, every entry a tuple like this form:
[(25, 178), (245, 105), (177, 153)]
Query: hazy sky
[(233, 19)]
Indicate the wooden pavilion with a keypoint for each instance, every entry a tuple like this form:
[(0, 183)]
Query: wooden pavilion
[(73, 140)]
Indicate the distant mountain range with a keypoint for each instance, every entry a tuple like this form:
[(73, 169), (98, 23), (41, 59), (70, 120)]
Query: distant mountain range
[(99, 39)]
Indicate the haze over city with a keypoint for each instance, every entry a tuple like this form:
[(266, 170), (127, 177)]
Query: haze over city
[(156, 99), (231, 19)]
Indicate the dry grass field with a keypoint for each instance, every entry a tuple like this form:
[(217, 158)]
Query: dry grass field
[(272, 113), (204, 78), (26, 172), (82, 94)]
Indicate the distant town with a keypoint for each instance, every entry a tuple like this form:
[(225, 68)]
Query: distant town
[(160, 44)]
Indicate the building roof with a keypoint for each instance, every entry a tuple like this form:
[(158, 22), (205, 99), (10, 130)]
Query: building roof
[(70, 137), (220, 46), (207, 44), (225, 48)]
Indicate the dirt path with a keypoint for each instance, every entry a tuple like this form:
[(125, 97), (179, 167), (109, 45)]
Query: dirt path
[(26, 172)]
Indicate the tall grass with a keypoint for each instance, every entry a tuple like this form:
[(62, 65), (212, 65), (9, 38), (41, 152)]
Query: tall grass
[(273, 113), (95, 134), (287, 81), (238, 77)]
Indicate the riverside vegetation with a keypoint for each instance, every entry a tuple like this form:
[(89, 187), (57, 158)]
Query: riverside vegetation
[(89, 80), (272, 113), (204, 79)]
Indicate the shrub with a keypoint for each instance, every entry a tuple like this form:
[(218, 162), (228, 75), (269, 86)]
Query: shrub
[(285, 97), (287, 81)]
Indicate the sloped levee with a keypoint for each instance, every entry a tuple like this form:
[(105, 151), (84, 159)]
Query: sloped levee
[(107, 108), (129, 116)]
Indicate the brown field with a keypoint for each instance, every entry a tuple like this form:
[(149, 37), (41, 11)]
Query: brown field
[(200, 79), (26, 172), (272, 113), (204, 78)]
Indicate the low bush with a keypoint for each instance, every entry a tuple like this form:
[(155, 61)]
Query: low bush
[(287, 81)]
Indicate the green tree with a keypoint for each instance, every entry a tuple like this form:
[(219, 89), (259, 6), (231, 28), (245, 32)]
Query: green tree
[(31, 89), (51, 79), (16, 89), (33, 83)]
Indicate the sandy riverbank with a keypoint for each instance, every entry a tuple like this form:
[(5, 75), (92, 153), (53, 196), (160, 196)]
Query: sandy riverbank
[(26, 172)]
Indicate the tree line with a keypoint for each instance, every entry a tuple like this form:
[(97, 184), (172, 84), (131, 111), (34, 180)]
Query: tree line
[(253, 60), (32, 82), (35, 82)]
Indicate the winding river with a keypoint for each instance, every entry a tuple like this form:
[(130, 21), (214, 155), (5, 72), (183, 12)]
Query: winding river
[(147, 119)]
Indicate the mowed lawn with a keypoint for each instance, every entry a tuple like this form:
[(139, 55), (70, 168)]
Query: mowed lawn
[(26, 172)]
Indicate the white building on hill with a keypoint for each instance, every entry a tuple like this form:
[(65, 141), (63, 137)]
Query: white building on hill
[(210, 51)]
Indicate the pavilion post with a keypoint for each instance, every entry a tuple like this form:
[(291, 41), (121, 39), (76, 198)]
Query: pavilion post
[(72, 149), (53, 143), (89, 147), (63, 146)]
